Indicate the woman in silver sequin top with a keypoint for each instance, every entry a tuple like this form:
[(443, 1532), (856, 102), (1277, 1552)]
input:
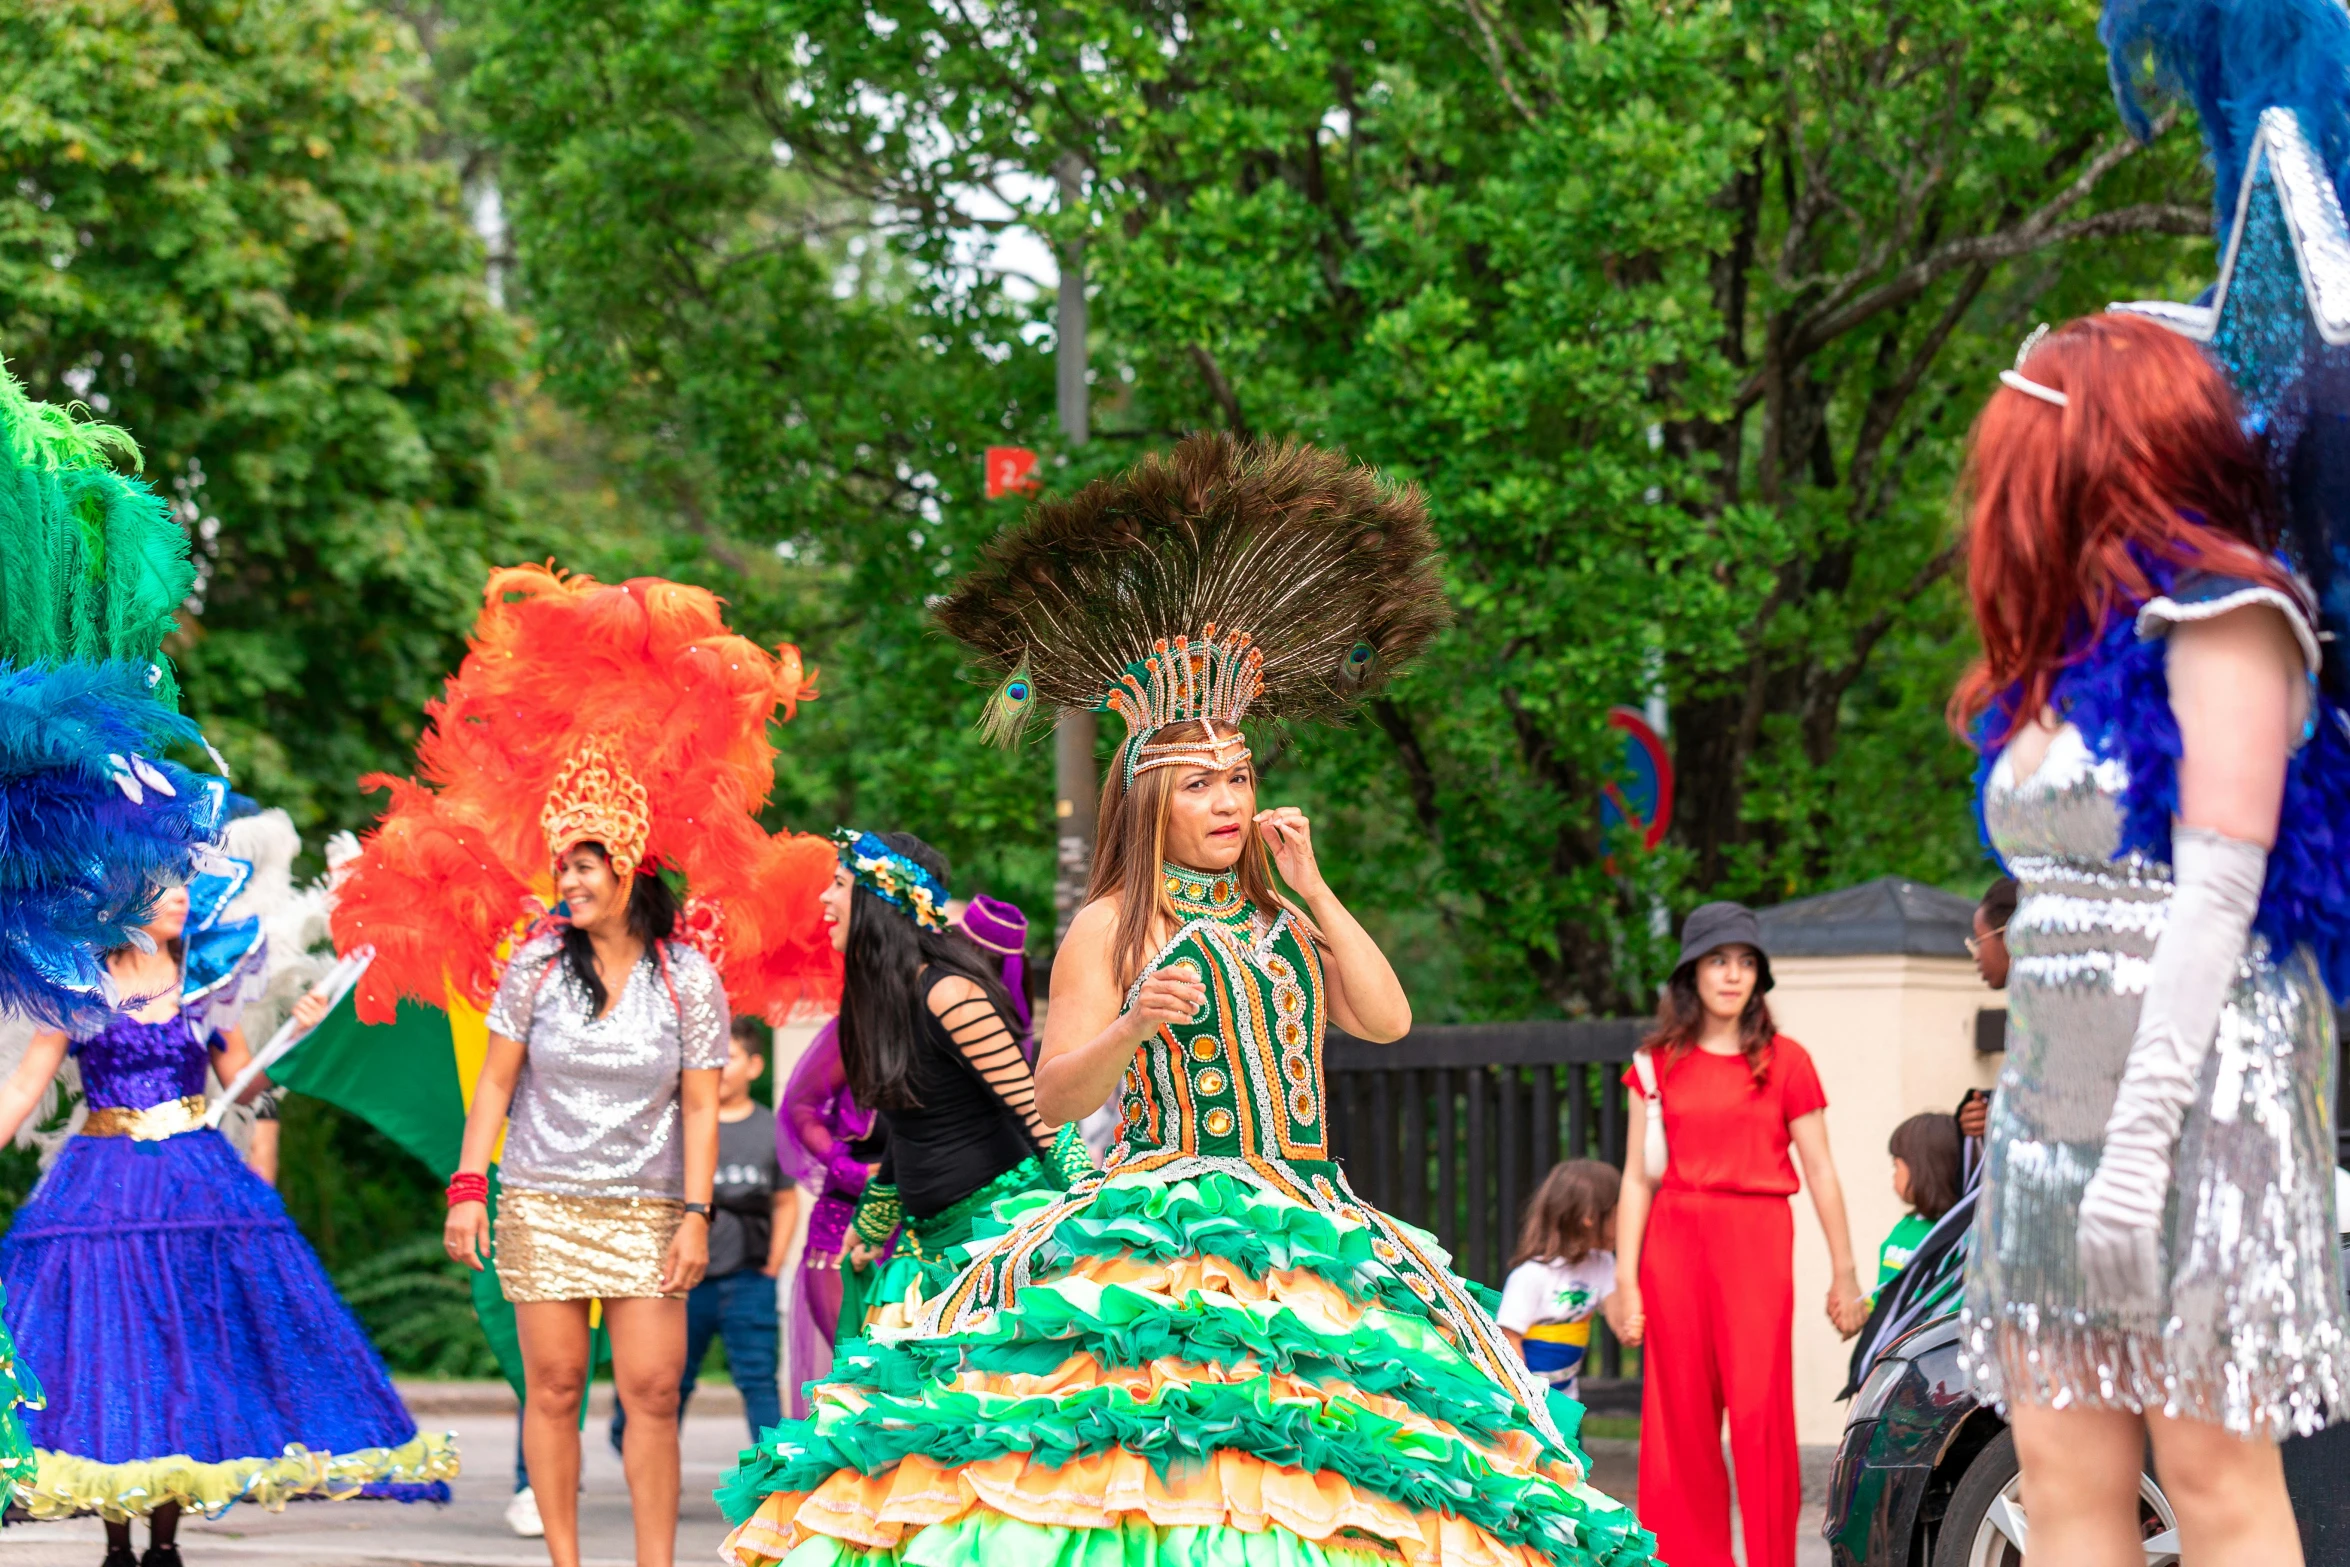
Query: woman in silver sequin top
[(605, 1044), (2154, 1253)]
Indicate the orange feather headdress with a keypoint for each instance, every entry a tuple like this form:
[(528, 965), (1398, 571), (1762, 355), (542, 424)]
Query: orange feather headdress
[(624, 714)]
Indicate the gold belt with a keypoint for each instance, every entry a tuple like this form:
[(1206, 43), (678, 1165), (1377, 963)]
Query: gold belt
[(150, 1125)]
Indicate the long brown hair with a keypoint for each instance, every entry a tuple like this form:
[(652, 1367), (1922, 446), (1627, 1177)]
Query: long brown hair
[(1569, 1210), (1131, 845), (1929, 1145), (2068, 507), (1680, 1018)]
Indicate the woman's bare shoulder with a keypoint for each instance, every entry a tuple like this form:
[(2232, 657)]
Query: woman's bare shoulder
[(1095, 922), (952, 990)]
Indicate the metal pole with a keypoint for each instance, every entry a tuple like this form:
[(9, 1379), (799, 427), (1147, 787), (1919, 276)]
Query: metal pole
[(1075, 784)]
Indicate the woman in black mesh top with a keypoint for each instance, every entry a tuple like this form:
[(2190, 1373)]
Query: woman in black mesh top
[(929, 1039)]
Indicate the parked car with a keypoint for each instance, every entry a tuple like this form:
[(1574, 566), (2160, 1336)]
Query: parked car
[(1925, 1475)]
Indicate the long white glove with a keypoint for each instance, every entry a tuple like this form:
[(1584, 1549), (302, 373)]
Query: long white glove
[(2215, 893)]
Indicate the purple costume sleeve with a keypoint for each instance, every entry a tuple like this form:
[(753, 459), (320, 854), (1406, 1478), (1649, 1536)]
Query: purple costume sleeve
[(815, 1118), (815, 1121)]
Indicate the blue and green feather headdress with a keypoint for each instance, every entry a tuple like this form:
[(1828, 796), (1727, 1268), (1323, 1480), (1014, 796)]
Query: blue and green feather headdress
[(94, 820)]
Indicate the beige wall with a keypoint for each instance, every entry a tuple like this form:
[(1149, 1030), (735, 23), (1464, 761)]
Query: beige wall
[(1891, 1036)]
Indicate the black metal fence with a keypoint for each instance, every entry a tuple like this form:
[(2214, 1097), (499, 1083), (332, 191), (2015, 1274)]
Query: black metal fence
[(1452, 1127)]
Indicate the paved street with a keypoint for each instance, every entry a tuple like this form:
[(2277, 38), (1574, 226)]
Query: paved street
[(471, 1531)]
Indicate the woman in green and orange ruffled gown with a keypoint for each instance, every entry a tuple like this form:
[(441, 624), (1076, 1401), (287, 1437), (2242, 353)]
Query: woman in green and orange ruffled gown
[(1209, 1354)]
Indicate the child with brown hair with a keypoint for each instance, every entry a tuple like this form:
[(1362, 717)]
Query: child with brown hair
[(1564, 1268), (1929, 1173)]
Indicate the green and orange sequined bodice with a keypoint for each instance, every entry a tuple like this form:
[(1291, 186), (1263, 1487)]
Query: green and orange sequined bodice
[(1242, 1080)]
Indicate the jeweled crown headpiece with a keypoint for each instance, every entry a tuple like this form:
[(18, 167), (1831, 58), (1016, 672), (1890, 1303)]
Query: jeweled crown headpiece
[(1224, 580), (595, 799), (1212, 680)]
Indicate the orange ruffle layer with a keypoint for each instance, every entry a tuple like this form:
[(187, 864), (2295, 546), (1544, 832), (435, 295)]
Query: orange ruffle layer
[(1237, 1490)]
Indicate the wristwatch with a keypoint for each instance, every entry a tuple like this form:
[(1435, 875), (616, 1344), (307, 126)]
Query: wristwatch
[(701, 1208)]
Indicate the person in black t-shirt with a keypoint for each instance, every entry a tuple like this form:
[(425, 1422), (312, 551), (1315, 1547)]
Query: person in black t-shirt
[(758, 1206)]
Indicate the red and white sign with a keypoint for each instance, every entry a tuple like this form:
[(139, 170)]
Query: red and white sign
[(1010, 469)]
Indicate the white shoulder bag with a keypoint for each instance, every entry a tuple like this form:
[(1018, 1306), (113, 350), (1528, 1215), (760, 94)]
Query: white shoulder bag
[(1652, 1152)]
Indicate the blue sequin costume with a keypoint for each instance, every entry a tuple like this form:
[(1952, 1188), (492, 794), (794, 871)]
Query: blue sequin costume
[(189, 1343)]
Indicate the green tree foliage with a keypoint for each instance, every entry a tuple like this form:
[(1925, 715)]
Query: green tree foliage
[(417, 1306), (1678, 313), (220, 225), (776, 375)]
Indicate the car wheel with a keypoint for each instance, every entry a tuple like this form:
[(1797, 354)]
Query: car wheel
[(1984, 1525)]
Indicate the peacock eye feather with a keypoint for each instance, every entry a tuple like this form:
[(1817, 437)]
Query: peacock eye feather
[(1007, 711), (1355, 668)]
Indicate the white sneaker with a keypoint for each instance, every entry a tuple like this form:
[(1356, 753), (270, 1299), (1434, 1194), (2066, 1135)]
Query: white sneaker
[(522, 1515)]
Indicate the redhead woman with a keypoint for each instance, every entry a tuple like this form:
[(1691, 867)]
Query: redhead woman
[(2153, 1259), (1705, 1251)]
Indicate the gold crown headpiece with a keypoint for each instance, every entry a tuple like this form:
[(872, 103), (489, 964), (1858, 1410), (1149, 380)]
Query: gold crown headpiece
[(595, 799)]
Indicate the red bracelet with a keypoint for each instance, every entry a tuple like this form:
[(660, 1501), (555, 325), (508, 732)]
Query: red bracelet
[(465, 1187)]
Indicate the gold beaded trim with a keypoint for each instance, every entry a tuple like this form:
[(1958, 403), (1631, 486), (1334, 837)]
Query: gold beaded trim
[(150, 1125)]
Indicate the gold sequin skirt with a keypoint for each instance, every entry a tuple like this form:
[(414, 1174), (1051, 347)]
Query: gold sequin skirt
[(553, 1247)]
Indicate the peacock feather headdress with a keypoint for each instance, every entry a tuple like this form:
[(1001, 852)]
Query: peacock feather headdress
[(1223, 580), (94, 820)]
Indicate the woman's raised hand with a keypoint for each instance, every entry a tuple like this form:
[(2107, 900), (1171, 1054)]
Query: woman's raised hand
[(466, 1234), (1174, 994), (1291, 838), (310, 1009)]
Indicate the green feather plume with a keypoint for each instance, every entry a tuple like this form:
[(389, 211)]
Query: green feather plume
[(92, 564)]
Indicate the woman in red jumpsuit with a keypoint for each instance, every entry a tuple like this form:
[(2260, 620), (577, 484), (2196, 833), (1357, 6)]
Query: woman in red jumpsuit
[(1705, 1254)]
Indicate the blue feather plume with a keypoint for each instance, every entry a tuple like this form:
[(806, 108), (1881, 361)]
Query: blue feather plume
[(2116, 690), (2231, 59), (94, 823)]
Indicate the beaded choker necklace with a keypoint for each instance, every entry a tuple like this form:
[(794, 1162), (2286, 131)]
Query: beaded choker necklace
[(1216, 894)]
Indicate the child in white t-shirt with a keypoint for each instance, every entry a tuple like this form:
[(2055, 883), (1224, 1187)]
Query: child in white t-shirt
[(1565, 1267)]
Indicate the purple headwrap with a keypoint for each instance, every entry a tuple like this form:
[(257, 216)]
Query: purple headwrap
[(1002, 929)]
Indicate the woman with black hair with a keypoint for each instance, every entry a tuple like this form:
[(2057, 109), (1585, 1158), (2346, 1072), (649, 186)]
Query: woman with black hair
[(605, 1043), (930, 1040)]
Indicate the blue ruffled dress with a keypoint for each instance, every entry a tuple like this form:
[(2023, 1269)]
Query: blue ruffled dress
[(189, 1343)]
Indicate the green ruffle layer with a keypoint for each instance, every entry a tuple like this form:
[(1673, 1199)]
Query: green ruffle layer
[(1217, 1215), (1399, 1357), (1422, 1470), (19, 1390), (998, 1541), (1394, 1351)]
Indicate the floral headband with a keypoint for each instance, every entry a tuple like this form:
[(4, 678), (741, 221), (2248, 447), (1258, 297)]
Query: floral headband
[(893, 878)]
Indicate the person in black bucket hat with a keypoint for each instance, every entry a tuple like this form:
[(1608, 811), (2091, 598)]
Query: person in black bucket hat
[(1715, 925), (1705, 1245)]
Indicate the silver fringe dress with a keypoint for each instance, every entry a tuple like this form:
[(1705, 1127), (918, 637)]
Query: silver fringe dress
[(2252, 1333)]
